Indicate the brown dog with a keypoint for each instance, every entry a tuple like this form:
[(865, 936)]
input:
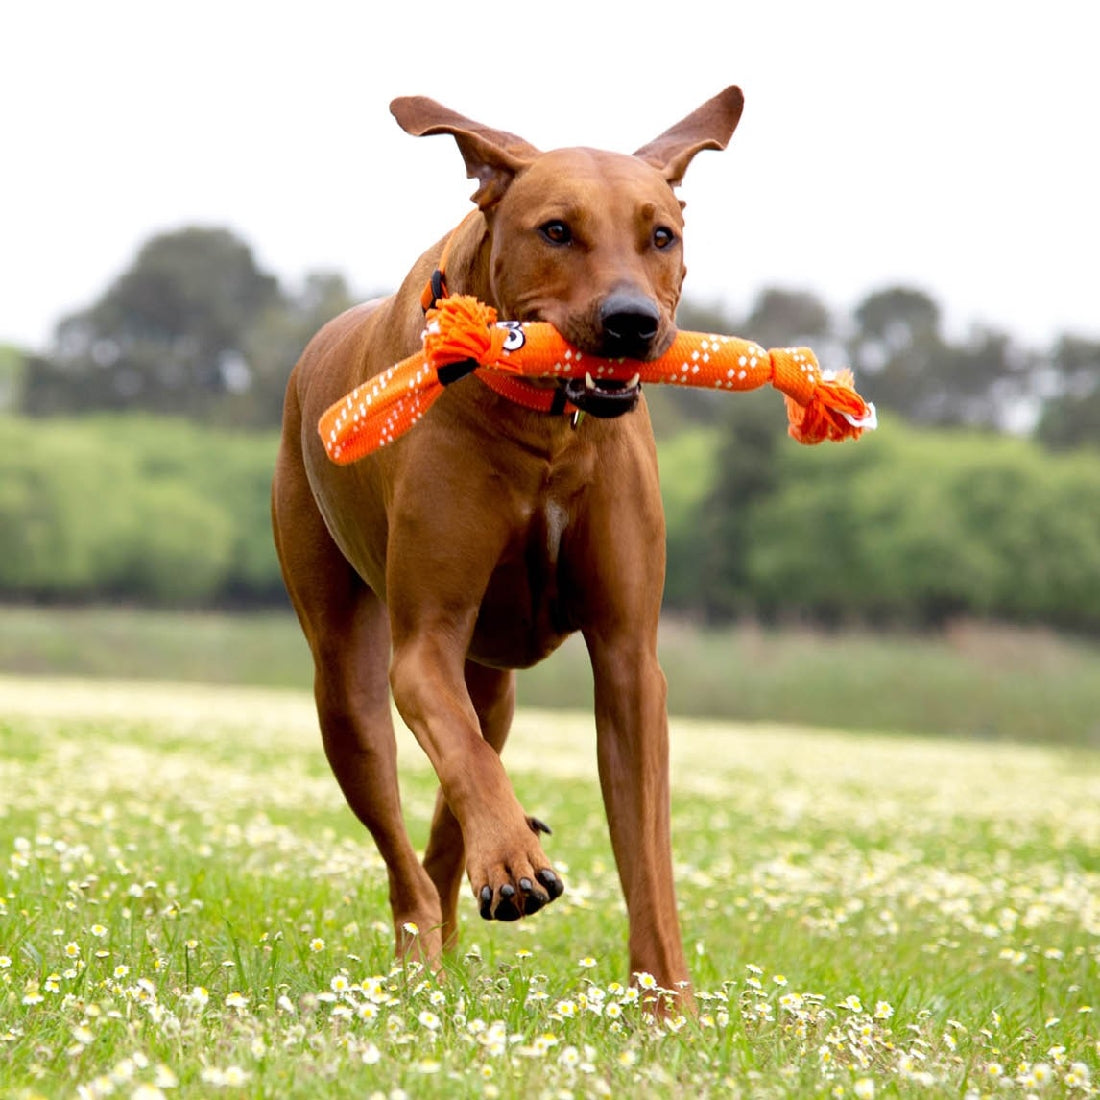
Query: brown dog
[(474, 544)]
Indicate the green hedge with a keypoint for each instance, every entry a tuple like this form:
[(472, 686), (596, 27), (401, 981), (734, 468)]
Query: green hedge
[(905, 527), (153, 511), (939, 524), (912, 527)]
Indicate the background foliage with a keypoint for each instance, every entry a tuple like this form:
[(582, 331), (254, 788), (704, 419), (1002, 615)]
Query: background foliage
[(136, 508), (908, 528), (136, 457)]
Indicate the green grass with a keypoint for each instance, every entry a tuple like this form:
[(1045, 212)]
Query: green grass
[(973, 682), (265, 649), (189, 910)]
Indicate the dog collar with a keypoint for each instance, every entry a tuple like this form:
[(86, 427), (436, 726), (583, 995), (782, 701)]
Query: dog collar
[(519, 391)]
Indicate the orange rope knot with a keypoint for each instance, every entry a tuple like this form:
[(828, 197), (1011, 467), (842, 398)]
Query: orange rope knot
[(820, 405), (463, 328)]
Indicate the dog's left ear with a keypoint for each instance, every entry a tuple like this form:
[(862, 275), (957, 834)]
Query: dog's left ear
[(493, 157), (707, 127)]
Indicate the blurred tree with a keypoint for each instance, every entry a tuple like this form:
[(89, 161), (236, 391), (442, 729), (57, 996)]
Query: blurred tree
[(13, 365), (786, 318), (170, 335), (898, 317), (747, 470), (897, 340), (1071, 417), (696, 316), (917, 374), (195, 328), (133, 507), (746, 475), (274, 342), (978, 383)]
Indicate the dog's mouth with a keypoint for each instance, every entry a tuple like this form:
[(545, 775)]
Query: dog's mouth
[(605, 398), (611, 397), (607, 334)]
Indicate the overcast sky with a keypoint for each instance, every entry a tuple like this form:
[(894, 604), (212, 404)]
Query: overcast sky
[(950, 146)]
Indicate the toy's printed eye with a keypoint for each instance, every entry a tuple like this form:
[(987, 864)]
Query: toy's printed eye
[(663, 237), (514, 338), (556, 232)]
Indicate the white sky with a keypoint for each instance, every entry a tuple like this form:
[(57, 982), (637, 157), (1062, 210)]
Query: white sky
[(952, 146)]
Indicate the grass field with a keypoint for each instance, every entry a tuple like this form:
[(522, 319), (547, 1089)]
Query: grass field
[(189, 910), (995, 684)]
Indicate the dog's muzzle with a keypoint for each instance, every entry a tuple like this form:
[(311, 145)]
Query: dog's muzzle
[(606, 398)]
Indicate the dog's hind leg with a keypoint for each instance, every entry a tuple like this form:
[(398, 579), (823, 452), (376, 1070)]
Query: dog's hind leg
[(492, 691), (353, 703), (347, 628)]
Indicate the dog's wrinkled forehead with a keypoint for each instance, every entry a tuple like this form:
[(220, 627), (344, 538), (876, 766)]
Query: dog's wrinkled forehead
[(598, 166), (577, 179)]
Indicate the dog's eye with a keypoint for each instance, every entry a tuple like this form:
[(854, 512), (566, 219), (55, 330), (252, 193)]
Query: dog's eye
[(663, 237), (556, 232)]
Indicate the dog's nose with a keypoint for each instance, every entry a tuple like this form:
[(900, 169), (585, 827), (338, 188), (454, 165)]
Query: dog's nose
[(630, 325)]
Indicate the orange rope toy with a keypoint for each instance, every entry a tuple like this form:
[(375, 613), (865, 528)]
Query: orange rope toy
[(462, 330)]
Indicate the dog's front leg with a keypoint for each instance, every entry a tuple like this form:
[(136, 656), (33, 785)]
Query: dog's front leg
[(435, 586), (618, 560), (510, 875), (632, 746)]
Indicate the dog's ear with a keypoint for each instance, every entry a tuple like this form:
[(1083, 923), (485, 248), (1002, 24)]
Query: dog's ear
[(707, 127), (493, 157)]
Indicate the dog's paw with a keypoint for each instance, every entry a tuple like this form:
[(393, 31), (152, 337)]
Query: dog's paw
[(510, 902), (512, 877)]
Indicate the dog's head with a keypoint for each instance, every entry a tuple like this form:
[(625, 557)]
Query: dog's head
[(590, 241)]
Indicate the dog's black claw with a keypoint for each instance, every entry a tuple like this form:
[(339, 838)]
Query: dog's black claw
[(539, 826), (527, 900), (508, 909), (534, 898), (553, 885)]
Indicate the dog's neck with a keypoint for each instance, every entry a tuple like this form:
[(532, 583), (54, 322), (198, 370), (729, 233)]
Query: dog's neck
[(465, 255)]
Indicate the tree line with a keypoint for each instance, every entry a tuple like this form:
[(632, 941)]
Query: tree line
[(907, 528), (195, 328), (140, 466)]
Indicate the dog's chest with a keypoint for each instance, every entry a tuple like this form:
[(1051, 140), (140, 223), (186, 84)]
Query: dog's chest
[(524, 613), (555, 517)]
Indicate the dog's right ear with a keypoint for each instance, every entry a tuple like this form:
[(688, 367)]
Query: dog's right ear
[(707, 127), (493, 157)]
